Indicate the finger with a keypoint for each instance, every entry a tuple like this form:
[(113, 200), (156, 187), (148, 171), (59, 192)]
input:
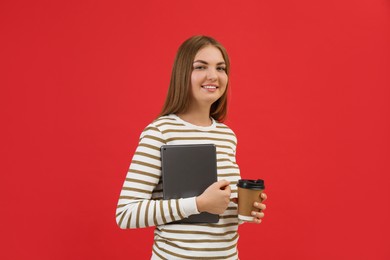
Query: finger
[(223, 183), (257, 221), (227, 192), (263, 196), (260, 206), (258, 215)]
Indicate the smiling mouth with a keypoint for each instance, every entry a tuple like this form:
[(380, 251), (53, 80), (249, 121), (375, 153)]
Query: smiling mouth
[(209, 87)]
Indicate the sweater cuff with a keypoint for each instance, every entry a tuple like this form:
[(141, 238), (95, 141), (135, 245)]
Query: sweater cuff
[(188, 206)]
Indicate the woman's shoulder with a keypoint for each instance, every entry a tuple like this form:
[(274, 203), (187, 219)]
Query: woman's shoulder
[(163, 120), (159, 123), (224, 128), (166, 118), (154, 128)]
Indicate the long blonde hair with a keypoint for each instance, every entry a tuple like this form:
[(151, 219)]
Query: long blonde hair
[(179, 94)]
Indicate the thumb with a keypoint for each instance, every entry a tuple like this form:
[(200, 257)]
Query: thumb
[(223, 183)]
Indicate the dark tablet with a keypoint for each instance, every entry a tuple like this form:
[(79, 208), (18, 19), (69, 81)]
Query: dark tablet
[(187, 170)]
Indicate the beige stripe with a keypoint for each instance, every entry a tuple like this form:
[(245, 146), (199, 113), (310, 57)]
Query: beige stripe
[(223, 133), (154, 250), (229, 154), (121, 206), (205, 249), (123, 216), (138, 213), (147, 214), (224, 160), (148, 155), (137, 190), (170, 210), (128, 197), (155, 214), (227, 167), (219, 225), (119, 213), (198, 138), (163, 118), (149, 128), (199, 232), (193, 257), (144, 173), (141, 182), (195, 131), (222, 127), (146, 164), (162, 212), (202, 240), (216, 225), (129, 220), (169, 123), (153, 138), (228, 174), (157, 148), (224, 147), (178, 209)]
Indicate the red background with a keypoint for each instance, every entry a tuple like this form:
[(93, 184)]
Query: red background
[(309, 104)]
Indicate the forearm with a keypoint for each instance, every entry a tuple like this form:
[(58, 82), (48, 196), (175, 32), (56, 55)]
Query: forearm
[(139, 213)]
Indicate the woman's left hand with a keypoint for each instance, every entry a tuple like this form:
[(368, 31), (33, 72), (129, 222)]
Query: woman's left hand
[(257, 216), (261, 206)]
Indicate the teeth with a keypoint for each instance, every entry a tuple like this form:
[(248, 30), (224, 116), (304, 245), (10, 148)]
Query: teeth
[(209, 86)]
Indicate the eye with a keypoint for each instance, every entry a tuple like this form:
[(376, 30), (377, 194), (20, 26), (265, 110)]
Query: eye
[(200, 67), (221, 68)]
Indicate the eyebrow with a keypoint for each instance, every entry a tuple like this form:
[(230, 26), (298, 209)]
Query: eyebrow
[(205, 62)]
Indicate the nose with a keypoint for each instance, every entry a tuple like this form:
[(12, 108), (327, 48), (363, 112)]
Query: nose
[(211, 74)]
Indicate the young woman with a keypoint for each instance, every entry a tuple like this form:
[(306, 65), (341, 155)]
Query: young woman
[(193, 113)]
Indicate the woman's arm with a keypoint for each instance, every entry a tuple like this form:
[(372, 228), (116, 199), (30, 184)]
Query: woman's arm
[(136, 207)]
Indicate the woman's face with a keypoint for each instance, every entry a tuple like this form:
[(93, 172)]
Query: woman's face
[(208, 78)]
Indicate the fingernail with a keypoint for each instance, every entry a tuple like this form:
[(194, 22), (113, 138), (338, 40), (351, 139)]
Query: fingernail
[(253, 213), (256, 204)]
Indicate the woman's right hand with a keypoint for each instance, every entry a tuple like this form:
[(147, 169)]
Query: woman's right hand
[(215, 199)]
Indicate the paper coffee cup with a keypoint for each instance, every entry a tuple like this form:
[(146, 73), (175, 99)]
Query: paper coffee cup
[(249, 191)]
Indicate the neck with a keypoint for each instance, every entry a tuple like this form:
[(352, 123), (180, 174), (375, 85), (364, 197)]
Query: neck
[(199, 116)]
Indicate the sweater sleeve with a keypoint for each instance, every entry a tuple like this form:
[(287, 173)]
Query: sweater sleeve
[(136, 207)]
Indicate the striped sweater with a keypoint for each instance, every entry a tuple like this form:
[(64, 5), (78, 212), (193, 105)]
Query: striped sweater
[(141, 205)]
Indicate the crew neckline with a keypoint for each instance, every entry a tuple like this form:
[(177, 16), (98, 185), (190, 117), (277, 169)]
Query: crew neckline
[(202, 128)]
